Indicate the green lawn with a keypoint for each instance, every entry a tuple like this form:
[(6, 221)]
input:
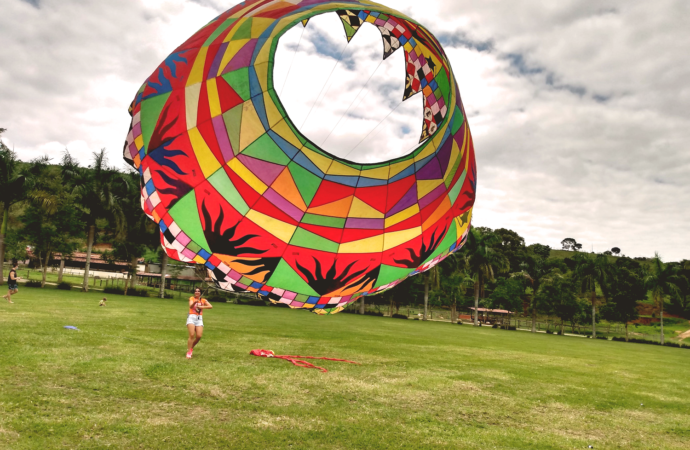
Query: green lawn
[(123, 382)]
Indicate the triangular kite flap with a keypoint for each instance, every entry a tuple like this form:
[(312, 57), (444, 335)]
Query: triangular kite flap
[(234, 185), (351, 21), (390, 43)]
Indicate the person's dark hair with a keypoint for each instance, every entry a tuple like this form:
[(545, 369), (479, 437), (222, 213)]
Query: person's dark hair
[(15, 263), (197, 289)]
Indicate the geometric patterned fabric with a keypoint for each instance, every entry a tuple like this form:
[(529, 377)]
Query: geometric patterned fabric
[(234, 185)]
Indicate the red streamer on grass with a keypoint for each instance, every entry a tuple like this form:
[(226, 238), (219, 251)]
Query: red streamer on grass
[(297, 360)]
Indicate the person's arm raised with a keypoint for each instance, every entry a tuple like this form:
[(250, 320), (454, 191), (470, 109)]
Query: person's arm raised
[(206, 305)]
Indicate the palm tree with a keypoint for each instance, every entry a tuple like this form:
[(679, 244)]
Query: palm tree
[(96, 188), (449, 279), (12, 190), (662, 280), (428, 275), (591, 272), (164, 272), (483, 262)]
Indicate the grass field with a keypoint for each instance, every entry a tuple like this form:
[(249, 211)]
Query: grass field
[(123, 382)]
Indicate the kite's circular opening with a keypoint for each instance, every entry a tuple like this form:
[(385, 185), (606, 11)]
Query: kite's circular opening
[(343, 96)]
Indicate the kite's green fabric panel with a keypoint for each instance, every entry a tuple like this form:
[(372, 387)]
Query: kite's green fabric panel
[(150, 111), (186, 215), (244, 31), (455, 192), (239, 81), (307, 239), (458, 120), (233, 125), (389, 274), (224, 186), (306, 182), (323, 221), (224, 26), (443, 84), (266, 149), (285, 276)]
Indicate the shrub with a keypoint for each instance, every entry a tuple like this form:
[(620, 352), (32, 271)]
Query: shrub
[(131, 292), (373, 313), (281, 305), (604, 338), (218, 299), (33, 284), (256, 302), (64, 286), (644, 341), (459, 322), (399, 316)]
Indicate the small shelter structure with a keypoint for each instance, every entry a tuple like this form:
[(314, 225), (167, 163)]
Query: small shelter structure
[(493, 316)]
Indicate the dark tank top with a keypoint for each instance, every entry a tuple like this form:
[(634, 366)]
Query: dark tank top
[(9, 277)]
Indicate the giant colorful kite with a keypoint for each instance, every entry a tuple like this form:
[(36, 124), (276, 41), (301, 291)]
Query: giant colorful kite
[(234, 185)]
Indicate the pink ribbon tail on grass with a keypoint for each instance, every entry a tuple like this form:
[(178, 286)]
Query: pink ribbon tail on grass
[(297, 360)]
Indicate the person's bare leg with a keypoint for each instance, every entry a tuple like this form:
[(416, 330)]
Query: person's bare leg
[(199, 333), (192, 336)]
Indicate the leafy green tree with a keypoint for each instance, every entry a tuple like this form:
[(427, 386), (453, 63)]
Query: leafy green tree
[(663, 280), (483, 262), (96, 191), (542, 251), (557, 297), (507, 294), (568, 244), (680, 304), (627, 289), (512, 246), (407, 293), (12, 191), (591, 272), (50, 220), (48, 233)]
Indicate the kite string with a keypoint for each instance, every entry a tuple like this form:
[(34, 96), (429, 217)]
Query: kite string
[(287, 77), (324, 86), (353, 102), (374, 129)]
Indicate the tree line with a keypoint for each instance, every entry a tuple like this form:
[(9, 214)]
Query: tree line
[(496, 270), (66, 207)]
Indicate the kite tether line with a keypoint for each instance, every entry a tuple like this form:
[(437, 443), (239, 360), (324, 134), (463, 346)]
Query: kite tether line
[(353, 102), (374, 129), (287, 77), (324, 86)]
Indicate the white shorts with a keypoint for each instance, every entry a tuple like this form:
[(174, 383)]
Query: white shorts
[(197, 321)]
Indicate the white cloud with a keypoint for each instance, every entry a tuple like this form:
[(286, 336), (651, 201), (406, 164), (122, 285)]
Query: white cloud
[(578, 108)]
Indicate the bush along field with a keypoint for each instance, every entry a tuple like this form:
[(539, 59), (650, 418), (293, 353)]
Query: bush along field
[(121, 380)]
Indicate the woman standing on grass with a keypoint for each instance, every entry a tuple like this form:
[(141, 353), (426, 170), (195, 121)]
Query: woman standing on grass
[(12, 285), (195, 322)]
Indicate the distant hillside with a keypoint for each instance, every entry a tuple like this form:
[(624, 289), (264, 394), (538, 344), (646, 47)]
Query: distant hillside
[(562, 254)]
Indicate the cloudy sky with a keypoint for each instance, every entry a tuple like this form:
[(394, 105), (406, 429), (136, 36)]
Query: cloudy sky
[(579, 109)]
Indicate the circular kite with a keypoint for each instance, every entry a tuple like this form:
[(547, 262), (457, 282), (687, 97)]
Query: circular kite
[(234, 185)]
